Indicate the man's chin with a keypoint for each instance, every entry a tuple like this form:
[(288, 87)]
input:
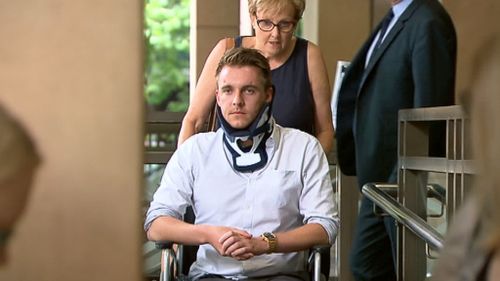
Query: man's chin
[(239, 125)]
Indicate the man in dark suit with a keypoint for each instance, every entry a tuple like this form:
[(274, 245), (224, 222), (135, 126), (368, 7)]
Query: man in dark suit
[(411, 65)]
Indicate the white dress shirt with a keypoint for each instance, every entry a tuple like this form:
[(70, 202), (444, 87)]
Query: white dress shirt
[(293, 189)]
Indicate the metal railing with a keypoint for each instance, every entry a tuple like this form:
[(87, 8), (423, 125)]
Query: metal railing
[(433, 145), (404, 216)]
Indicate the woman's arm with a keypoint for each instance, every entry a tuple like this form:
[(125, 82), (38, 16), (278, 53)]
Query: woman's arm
[(204, 95), (322, 94)]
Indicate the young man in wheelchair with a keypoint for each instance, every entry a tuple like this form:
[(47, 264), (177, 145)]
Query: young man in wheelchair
[(261, 193)]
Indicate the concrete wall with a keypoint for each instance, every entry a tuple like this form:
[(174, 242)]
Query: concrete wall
[(72, 72), (342, 27), (211, 20), (475, 22)]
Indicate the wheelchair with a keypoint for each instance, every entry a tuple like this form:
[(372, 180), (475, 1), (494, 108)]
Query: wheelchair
[(175, 263)]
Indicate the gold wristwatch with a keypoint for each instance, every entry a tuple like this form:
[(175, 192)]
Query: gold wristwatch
[(271, 240)]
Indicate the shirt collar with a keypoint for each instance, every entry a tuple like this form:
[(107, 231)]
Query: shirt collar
[(400, 7), (273, 141)]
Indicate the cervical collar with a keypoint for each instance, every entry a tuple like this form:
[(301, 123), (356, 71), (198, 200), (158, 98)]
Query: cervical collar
[(255, 157)]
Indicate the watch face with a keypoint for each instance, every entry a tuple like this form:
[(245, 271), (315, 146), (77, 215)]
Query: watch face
[(269, 235)]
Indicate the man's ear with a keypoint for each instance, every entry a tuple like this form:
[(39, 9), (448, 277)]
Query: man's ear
[(217, 96), (270, 93)]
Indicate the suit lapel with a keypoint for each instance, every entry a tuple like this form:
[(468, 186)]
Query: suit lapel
[(381, 49), (393, 33)]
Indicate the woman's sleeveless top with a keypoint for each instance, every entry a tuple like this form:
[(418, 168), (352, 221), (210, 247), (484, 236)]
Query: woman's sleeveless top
[(293, 104)]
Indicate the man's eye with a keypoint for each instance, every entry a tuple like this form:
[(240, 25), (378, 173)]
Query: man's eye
[(249, 91)]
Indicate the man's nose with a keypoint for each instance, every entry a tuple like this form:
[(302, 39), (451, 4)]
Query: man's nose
[(238, 98)]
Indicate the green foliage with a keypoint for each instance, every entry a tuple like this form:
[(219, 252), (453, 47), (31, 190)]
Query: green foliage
[(167, 53)]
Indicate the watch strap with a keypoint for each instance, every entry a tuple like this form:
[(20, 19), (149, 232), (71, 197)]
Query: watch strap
[(271, 240)]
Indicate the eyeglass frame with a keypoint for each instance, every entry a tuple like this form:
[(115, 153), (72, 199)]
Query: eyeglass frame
[(293, 23)]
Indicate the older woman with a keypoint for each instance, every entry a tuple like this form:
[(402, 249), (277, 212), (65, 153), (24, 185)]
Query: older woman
[(302, 98)]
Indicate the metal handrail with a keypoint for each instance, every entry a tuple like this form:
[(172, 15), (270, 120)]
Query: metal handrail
[(403, 215)]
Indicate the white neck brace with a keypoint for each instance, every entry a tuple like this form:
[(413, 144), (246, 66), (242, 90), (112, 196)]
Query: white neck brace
[(254, 158)]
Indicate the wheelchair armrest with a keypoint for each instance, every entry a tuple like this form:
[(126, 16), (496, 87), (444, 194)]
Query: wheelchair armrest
[(319, 266), (169, 262), (163, 244), (323, 248)]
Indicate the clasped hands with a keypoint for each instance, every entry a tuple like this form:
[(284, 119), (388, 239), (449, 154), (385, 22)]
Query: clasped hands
[(236, 243)]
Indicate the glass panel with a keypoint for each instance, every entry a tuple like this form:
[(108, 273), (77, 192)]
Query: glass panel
[(166, 34), (166, 88)]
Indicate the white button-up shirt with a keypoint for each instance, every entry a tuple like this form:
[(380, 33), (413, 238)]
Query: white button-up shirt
[(293, 189)]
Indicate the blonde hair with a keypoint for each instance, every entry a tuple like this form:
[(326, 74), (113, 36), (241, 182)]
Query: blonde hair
[(276, 6), (484, 99), (17, 151)]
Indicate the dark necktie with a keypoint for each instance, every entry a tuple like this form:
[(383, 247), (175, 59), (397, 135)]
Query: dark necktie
[(383, 29)]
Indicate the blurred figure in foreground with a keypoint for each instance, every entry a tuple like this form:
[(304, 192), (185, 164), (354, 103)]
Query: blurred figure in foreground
[(18, 162), (472, 248)]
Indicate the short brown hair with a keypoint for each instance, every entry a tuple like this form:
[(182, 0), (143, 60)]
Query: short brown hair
[(276, 6), (246, 57)]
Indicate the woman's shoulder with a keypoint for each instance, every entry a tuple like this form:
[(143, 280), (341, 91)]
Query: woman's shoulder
[(311, 46), (308, 48), (246, 41), (219, 49), (314, 53)]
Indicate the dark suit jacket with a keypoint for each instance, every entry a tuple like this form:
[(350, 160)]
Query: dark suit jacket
[(413, 67)]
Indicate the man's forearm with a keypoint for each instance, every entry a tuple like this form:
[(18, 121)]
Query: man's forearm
[(302, 238), (171, 229)]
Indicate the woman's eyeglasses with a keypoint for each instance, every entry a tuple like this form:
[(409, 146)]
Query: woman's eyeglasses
[(268, 25)]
